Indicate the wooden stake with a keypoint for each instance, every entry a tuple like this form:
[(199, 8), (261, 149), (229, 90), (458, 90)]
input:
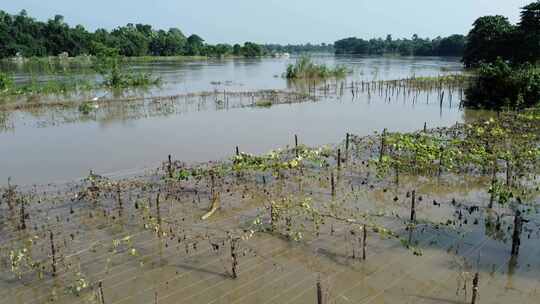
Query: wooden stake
[(493, 183), (364, 242), (119, 200), (413, 207), (319, 292), (516, 237), (158, 214), (339, 159), (475, 288), (10, 195), (212, 183), (234, 258), (441, 151), (332, 184), (508, 174), (53, 253), (347, 144), (273, 217), (169, 167), (23, 216), (382, 145), (101, 295), (296, 144)]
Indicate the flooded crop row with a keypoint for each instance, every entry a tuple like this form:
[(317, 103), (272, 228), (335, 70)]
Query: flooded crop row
[(440, 214)]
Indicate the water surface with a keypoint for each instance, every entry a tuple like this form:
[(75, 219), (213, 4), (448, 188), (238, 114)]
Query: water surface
[(57, 145)]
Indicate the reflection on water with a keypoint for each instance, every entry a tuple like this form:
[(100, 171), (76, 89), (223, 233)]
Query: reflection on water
[(42, 145)]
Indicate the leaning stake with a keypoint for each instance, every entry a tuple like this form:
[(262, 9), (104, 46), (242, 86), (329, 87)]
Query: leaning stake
[(101, 296)]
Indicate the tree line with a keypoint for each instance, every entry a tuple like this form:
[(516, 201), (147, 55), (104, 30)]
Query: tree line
[(453, 45), (300, 48), (22, 35), (494, 37)]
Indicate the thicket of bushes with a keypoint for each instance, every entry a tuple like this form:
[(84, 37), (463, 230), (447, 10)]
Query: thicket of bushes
[(499, 85), (305, 68), (506, 57)]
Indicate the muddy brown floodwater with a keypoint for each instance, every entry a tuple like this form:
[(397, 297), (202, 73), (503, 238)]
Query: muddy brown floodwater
[(172, 207), (43, 145), (280, 230)]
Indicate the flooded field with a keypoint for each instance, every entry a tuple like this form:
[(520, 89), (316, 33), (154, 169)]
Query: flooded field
[(378, 188), (423, 217), (41, 144), (150, 164)]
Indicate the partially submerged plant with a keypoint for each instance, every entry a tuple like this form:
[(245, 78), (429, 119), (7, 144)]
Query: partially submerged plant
[(6, 82), (305, 68)]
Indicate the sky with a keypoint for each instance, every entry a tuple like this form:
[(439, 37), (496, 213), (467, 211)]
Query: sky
[(277, 21)]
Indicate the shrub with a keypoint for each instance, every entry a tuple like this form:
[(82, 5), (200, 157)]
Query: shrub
[(112, 67), (306, 68), (263, 103), (499, 85), (5, 82)]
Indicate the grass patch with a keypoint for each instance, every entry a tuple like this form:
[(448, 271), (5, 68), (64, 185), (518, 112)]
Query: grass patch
[(112, 68), (305, 68), (8, 87), (87, 107), (6, 82), (263, 104), (121, 79), (453, 79)]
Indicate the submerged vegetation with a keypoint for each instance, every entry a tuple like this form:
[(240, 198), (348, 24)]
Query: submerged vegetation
[(114, 70), (284, 225), (305, 68), (51, 86), (5, 82), (353, 207)]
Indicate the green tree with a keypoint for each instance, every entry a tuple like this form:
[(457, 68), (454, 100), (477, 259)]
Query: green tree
[(488, 40), (251, 49), (529, 33), (130, 41), (195, 45), (237, 50), (451, 46)]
